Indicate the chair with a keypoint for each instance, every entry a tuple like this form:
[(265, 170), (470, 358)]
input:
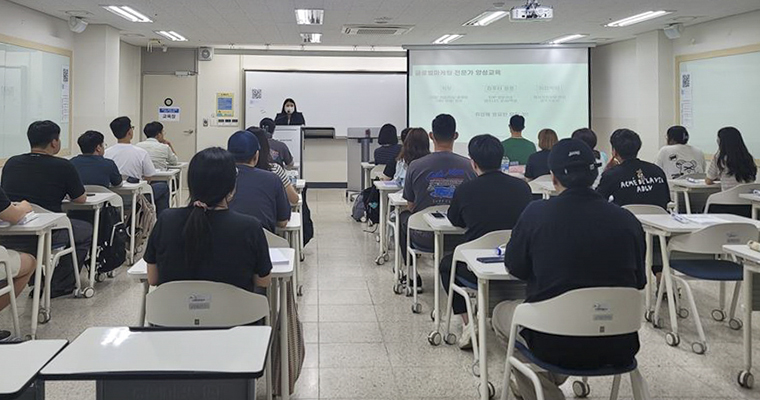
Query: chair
[(9, 290), (707, 241), (416, 222), (117, 201), (490, 240), (590, 312), (377, 172), (644, 209), (276, 242), (729, 201)]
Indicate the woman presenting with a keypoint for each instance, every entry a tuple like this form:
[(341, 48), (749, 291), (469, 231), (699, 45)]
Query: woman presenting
[(289, 114)]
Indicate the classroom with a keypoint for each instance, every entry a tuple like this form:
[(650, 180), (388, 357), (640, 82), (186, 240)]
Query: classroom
[(394, 199)]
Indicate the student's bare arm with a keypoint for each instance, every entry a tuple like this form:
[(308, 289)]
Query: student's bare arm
[(282, 224), (152, 275), (16, 212), (262, 281), (292, 194), (80, 199)]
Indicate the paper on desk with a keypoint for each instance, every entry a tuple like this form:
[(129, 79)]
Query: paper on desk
[(276, 256), (705, 219)]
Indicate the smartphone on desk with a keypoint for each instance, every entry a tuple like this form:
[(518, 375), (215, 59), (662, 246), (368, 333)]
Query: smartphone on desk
[(132, 180), (491, 260), (438, 215)]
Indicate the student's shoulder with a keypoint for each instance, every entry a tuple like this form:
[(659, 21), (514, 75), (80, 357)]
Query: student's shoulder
[(244, 222)]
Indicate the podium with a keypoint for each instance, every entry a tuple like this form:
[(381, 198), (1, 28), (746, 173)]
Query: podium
[(361, 143), (292, 136)]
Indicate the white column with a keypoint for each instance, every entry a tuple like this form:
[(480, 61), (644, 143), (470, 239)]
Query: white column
[(656, 98)]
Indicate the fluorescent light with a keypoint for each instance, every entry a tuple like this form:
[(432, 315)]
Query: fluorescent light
[(486, 18), (173, 36), (309, 17), (128, 13), (311, 37), (446, 39), (567, 38), (645, 16)]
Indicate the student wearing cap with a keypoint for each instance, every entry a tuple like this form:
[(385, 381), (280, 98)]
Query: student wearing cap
[(679, 158), (280, 152), (572, 241), (633, 181), (517, 148), (259, 192)]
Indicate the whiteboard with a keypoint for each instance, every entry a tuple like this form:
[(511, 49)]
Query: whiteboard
[(718, 91), (340, 100), (34, 85)]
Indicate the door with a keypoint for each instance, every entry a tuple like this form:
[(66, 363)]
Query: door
[(172, 92)]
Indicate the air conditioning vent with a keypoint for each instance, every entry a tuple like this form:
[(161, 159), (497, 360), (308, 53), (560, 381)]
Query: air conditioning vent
[(376, 30)]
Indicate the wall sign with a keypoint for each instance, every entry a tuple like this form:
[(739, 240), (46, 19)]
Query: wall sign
[(168, 114), (224, 104)]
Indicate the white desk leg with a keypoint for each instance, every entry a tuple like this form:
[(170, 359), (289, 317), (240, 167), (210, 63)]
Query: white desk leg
[(295, 238), (383, 221), (687, 200), (285, 381), (651, 284), (748, 287), (94, 247), (666, 274), (754, 211), (396, 257), (438, 249), (482, 358), (146, 289), (41, 241), (132, 230)]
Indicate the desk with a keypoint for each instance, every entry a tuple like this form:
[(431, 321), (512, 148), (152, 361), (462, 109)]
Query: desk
[(300, 184), (397, 201), (17, 378), (41, 227), (134, 363), (663, 226), (485, 273), (687, 186), (132, 190), (139, 271), (384, 187), (366, 170), (171, 177), (180, 179), (294, 231), (750, 259), (94, 202), (544, 188), (755, 199), (441, 227)]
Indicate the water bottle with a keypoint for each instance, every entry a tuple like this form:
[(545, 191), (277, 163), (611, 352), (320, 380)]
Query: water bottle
[(505, 164)]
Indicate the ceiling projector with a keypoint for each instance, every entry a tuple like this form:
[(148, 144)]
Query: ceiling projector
[(531, 11)]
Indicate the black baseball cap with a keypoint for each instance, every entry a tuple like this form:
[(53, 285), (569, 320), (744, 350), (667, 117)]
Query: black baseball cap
[(571, 156)]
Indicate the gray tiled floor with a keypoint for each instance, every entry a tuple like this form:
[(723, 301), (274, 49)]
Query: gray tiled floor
[(363, 342)]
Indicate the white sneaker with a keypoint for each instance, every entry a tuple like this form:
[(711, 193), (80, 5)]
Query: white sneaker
[(465, 340)]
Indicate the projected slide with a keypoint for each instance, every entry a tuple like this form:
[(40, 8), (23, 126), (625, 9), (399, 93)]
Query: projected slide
[(483, 96)]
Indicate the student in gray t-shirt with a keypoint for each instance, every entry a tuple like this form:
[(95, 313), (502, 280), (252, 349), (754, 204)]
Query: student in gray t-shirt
[(279, 150), (432, 180)]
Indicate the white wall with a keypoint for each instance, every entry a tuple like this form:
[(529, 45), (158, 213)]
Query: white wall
[(324, 160), (130, 82), (725, 33), (27, 24)]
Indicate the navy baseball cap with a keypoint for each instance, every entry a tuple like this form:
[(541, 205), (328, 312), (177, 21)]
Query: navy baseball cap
[(243, 145), (570, 156)]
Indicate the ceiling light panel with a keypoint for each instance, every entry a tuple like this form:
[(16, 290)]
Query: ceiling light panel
[(311, 37), (486, 18), (171, 35), (446, 39), (128, 13), (638, 18), (567, 38), (309, 17)]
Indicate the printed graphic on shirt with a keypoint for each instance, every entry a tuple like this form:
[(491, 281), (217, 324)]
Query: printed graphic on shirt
[(684, 167), (443, 183), (642, 183), (274, 154)]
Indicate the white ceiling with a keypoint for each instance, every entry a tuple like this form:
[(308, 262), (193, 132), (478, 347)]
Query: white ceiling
[(258, 22)]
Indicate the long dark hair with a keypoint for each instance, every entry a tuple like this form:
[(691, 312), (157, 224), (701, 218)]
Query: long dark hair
[(211, 178), (289, 100), (734, 156), (586, 135), (265, 156), (416, 145)]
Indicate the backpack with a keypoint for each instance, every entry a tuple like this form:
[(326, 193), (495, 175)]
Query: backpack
[(357, 211), (371, 199), (113, 240), (145, 219)]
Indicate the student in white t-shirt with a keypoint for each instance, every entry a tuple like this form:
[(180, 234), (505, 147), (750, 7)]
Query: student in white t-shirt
[(134, 162), (679, 158)]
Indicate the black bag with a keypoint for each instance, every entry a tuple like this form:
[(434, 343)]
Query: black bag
[(308, 224), (371, 199), (112, 240)]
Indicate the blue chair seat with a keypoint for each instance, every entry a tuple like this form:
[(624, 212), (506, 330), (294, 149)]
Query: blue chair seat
[(603, 371), (465, 283), (709, 270)]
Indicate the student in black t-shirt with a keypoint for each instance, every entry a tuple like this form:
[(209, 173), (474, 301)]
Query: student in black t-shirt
[(206, 240), (633, 181), (41, 178), (389, 147), (93, 168), (572, 241), (491, 202)]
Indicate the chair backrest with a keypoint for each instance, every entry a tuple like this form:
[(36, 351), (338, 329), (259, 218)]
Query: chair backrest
[(490, 240), (731, 196), (602, 311), (203, 303), (644, 209), (276, 242), (377, 171), (543, 178), (710, 240), (416, 221), (117, 201)]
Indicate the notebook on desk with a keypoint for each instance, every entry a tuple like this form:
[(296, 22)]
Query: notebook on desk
[(27, 219), (276, 256)]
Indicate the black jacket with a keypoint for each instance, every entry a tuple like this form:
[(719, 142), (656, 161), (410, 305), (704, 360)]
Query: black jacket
[(295, 119)]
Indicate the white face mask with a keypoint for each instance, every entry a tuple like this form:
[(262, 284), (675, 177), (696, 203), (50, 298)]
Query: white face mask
[(289, 109)]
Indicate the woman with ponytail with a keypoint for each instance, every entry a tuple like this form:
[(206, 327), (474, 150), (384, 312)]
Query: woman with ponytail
[(206, 240)]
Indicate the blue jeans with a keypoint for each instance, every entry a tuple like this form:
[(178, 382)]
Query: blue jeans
[(161, 196)]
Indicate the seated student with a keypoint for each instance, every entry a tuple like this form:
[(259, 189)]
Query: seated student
[(93, 168), (22, 264), (259, 193), (633, 181), (134, 162), (160, 150), (41, 178), (538, 163), (572, 241), (493, 201), (389, 147), (517, 148), (206, 240), (432, 180), (416, 145), (266, 164), (586, 135), (732, 164), (279, 150), (679, 158), (390, 169)]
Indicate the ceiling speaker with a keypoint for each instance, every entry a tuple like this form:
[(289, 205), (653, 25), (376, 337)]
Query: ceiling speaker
[(77, 25), (205, 53), (673, 31)]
